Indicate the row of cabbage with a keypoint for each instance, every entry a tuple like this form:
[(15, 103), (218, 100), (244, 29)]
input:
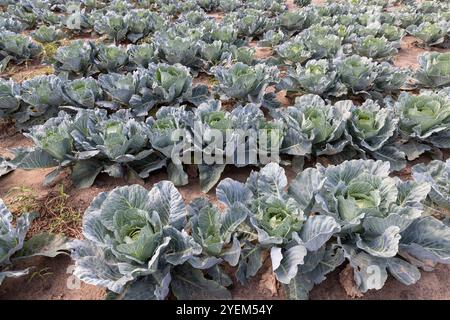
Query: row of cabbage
[(142, 244), (131, 79), (326, 30), (89, 141), (424, 18)]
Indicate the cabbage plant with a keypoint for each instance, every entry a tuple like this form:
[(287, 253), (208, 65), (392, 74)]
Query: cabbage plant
[(210, 116), (434, 69), (15, 247), (243, 82), (280, 221), (122, 90), (9, 97), (302, 3), (136, 246), (89, 143), (363, 76), (293, 51), (373, 130), (272, 38), (431, 34), (109, 59), (294, 21), (243, 54), (408, 17), (229, 5), (142, 55), (357, 73), (315, 127), (42, 96), (193, 17), (237, 130), (252, 23), (375, 48), (81, 21), (316, 77), (213, 53), (75, 60), (391, 32), (368, 28), (424, 118), (381, 223), (6, 166), (272, 7), (145, 88), (161, 130), (27, 17), (179, 49), (346, 33), (173, 84), (208, 5), (437, 174), (321, 42), (390, 79), (47, 34), (171, 7), (113, 25), (84, 92), (16, 48), (225, 32), (216, 233), (11, 24), (140, 23)]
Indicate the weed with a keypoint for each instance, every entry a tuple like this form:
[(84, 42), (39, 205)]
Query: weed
[(55, 215), (50, 50), (64, 218), (23, 199), (44, 272)]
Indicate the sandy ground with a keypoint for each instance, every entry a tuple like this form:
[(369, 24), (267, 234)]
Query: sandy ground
[(52, 279), (409, 51), (23, 72)]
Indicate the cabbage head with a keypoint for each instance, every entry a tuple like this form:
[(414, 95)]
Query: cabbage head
[(382, 226), (315, 127)]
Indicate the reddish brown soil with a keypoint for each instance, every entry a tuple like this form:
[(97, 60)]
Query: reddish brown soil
[(432, 285), (410, 50), (51, 279), (261, 53), (7, 129), (27, 71), (203, 78), (407, 56), (10, 139), (218, 16)]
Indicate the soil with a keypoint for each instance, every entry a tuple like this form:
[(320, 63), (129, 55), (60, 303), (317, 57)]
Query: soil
[(51, 277), (432, 285), (410, 50), (10, 139), (261, 53), (218, 16), (408, 53), (27, 71)]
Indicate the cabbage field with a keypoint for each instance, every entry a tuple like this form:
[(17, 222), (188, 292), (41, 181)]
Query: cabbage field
[(224, 149)]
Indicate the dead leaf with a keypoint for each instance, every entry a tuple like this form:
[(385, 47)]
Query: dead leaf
[(348, 282), (269, 282)]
